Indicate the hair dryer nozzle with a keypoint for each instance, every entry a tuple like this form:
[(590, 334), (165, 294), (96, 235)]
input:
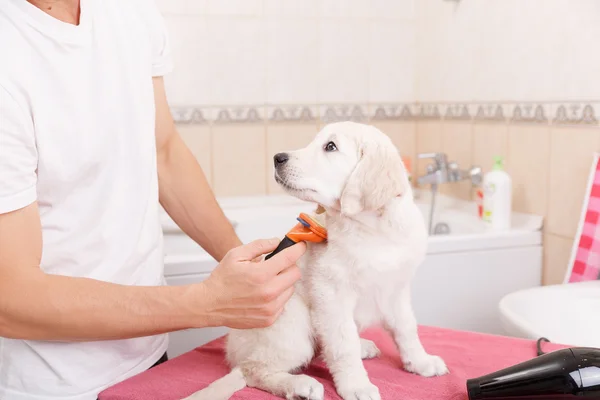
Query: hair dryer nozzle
[(560, 375)]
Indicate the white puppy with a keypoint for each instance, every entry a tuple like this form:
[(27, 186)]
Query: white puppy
[(360, 277)]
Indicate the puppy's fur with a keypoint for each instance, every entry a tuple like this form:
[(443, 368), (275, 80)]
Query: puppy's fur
[(360, 277)]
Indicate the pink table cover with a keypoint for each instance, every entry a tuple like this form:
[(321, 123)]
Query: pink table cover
[(467, 354)]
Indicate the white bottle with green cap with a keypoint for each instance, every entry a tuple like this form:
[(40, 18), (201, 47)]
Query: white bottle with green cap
[(497, 197)]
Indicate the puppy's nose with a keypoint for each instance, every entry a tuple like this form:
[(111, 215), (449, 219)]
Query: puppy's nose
[(280, 159)]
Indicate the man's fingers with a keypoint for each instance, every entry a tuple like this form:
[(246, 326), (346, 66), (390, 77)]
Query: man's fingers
[(284, 297), (285, 258), (279, 304), (286, 278), (255, 249)]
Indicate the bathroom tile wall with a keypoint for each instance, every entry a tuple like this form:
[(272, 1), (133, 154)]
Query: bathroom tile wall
[(240, 52), (471, 78), (531, 65), (500, 50), (549, 159)]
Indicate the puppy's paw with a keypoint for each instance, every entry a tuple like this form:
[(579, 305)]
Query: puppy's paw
[(368, 349), (367, 391), (427, 366), (306, 388)]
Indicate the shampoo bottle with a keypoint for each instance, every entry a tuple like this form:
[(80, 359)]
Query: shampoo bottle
[(408, 166), (497, 197)]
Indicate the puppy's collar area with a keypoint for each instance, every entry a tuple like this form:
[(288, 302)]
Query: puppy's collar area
[(337, 210)]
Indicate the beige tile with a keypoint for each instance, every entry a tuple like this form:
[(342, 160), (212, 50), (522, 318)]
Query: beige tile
[(571, 156), (284, 137), (404, 136), (528, 164), (489, 140), (429, 140), (239, 153), (197, 138), (557, 253), (457, 143)]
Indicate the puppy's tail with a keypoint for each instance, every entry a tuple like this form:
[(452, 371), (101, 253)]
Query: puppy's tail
[(223, 388)]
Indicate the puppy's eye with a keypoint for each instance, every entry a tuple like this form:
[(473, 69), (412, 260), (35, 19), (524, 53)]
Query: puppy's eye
[(330, 147)]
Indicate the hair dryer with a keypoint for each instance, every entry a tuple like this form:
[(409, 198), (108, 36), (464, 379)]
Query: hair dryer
[(560, 375)]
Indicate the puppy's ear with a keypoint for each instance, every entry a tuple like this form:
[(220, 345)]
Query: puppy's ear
[(379, 177)]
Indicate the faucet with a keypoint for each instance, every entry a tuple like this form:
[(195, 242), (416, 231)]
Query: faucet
[(442, 171)]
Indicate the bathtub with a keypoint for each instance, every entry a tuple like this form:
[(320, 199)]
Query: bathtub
[(459, 285)]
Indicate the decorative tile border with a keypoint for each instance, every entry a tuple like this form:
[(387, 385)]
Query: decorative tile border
[(490, 113), (190, 115), (530, 113), (457, 112), (236, 115), (393, 112), (537, 113), (429, 112), (576, 114), (300, 113), (345, 112)]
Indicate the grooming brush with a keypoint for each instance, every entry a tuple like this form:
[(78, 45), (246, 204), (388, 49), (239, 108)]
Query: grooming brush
[(307, 230)]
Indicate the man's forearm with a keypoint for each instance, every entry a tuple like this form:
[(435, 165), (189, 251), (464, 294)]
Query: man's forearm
[(78, 309), (187, 197)]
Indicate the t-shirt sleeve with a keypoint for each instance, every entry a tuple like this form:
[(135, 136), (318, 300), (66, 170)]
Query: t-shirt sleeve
[(162, 61), (18, 156)]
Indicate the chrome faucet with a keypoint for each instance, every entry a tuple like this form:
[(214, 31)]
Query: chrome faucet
[(442, 171)]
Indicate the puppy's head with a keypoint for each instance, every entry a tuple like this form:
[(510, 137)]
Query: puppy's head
[(348, 167)]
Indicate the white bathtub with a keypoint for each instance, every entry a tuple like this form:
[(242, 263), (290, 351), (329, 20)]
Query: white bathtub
[(459, 285)]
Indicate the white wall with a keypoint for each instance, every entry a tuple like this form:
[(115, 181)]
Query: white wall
[(256, 52), (508, 50), (234, 52)]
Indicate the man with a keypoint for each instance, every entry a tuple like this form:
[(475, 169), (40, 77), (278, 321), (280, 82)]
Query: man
[(88, 148)]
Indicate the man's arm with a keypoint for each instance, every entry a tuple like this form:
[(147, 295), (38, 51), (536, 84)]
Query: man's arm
[(34, 305), (184, 190), (38, 306)]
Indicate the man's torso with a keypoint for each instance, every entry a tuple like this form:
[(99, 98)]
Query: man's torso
[(88, 90)]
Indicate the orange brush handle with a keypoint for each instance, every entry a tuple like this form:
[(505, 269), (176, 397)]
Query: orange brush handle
[(307, 230)]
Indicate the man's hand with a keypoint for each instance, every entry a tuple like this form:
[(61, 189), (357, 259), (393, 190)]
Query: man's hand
[(245, 293)]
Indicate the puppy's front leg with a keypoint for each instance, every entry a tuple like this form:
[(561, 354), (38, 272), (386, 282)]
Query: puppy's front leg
[(401, 321), (333, 318)]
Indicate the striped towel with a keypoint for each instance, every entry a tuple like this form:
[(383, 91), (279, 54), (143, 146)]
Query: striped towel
[(585, 256)]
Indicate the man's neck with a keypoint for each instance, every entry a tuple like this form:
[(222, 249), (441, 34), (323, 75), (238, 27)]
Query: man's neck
[(64, 10)]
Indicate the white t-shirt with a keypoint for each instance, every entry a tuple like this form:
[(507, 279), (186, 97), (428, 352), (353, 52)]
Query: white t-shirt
[(77, 135)]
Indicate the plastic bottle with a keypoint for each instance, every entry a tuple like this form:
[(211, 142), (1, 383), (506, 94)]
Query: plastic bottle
[(407, 164), (497, 197), (479, 202)]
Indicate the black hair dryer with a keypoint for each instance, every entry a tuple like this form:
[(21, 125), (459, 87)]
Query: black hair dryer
[(560, 375)]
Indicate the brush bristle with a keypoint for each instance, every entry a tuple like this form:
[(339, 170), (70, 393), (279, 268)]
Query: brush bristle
[(303, 222), (313, 224)]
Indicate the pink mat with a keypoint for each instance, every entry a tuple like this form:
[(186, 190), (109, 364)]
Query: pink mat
[(467, 354)]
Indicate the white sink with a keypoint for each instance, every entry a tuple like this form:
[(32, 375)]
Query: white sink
[(567, 314)]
